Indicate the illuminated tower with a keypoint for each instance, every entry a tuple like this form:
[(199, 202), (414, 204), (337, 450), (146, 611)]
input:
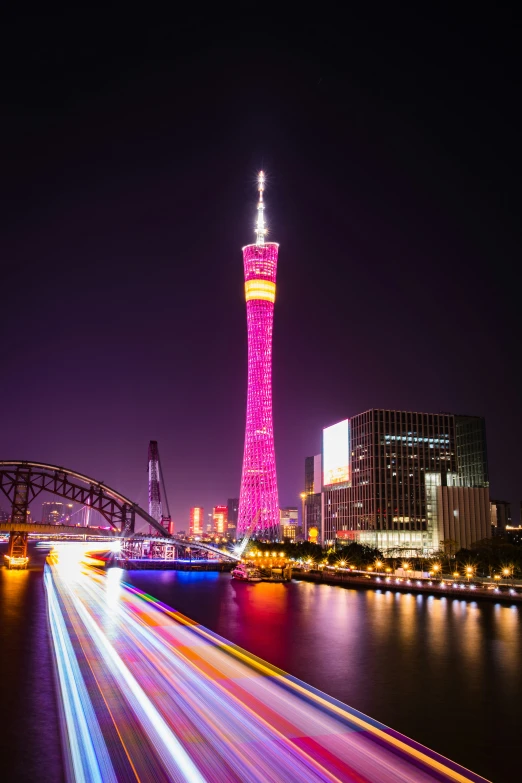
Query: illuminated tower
[(258, 501)]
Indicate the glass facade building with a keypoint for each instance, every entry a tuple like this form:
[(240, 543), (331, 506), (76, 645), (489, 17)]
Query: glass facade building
[(472, 455), (312, 488), (392, 456)]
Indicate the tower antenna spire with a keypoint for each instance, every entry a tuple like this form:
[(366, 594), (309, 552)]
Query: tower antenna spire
[(260, 227)]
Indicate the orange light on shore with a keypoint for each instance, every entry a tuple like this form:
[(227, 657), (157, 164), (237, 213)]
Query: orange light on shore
[(15, 562)]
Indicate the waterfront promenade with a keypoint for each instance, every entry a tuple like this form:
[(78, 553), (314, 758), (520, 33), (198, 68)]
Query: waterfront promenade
[(469, 591), (148, 694)]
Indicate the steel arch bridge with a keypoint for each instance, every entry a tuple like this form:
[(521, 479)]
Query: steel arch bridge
[(21, 482)]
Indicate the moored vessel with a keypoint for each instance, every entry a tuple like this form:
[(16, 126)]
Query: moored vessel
[(244, 573)]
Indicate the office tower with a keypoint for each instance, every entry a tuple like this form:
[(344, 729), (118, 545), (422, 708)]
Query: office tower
[(312, 497), (288, 522), (258, 499), (197, 520), (219, 519), (472, 453), (390, 479), (55, 512)]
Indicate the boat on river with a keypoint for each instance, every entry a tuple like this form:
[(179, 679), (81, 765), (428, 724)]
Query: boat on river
[(244, 573)]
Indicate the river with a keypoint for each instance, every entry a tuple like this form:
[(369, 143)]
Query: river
[(443, 671), (30, 748)]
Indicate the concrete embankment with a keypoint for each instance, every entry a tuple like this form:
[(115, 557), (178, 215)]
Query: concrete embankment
[(461, 590)]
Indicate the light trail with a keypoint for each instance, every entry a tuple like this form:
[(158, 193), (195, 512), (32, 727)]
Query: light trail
[(150, 695), (88, 755)]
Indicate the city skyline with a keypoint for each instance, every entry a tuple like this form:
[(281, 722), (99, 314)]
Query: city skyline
[(127, 211), (260, 422)]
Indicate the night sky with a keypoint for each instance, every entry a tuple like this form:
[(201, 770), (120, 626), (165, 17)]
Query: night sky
[(130, 147)]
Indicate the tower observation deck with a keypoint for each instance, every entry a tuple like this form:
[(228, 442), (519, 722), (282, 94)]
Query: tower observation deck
[(258, 499)]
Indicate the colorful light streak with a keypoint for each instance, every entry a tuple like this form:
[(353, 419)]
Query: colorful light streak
[(87, 758), (172, 700)]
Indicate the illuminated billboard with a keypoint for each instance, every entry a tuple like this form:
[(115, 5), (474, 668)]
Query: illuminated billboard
[(336, 454)]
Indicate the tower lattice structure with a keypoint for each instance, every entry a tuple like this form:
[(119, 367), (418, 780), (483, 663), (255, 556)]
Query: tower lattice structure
[(156, 484), (258, 500), (155, 505)]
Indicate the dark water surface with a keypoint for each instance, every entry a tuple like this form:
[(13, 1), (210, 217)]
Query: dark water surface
[(443, 671), (30, 748)]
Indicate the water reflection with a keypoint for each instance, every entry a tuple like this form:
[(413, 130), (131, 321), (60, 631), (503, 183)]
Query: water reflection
[(14, 588), (28, 708), (441, 670)]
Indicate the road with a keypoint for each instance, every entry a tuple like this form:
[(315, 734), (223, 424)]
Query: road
[(149, 695)]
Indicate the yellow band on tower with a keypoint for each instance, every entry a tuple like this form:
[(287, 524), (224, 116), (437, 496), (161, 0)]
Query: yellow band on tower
[(260, 289)]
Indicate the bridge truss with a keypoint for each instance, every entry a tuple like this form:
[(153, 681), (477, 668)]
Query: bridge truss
[(21, 482), (172, 548)]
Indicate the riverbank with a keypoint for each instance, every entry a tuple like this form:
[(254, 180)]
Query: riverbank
[(461, 590)]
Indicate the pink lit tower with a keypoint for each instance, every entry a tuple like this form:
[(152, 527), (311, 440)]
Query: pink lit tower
[(258, 500)]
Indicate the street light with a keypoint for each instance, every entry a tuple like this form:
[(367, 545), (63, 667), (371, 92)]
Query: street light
[(469, 572)]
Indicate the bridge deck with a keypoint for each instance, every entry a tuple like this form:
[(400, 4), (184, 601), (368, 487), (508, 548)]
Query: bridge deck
[(150, 695), (41, 527)]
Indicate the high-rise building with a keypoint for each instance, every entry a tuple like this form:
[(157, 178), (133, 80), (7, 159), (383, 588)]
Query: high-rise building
[(387, 477), (56, 512), (500, 515), (288, 523), (232, 512), (312, 501), (258, 499), (219, 518), (197, 521), (472, 453)]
